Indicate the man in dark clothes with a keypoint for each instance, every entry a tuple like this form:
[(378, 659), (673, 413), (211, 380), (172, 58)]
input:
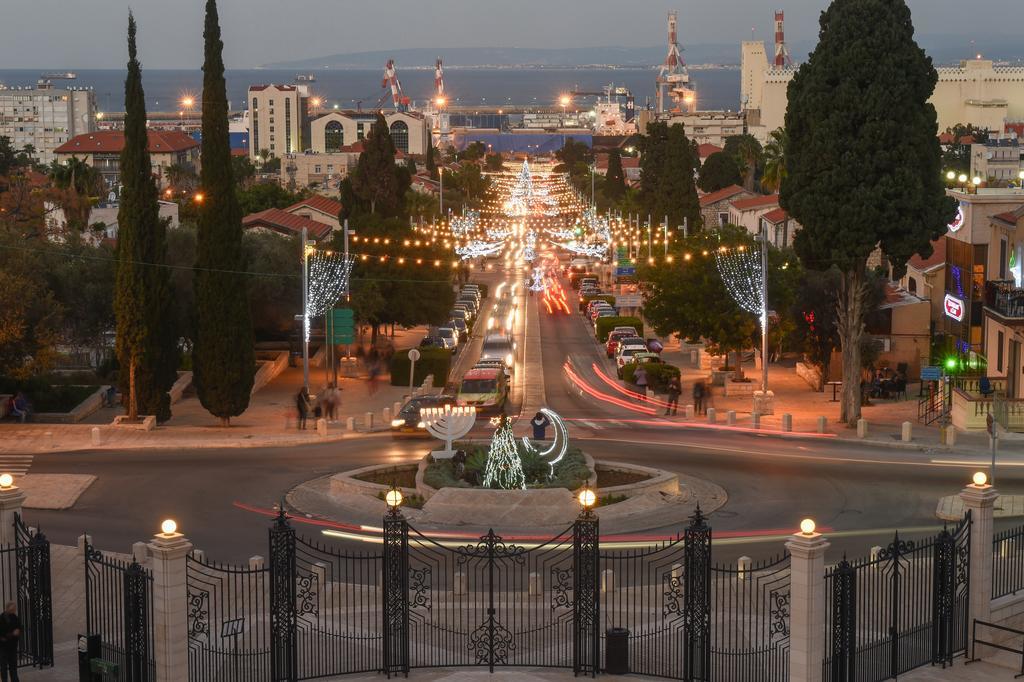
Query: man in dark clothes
[(10, 633)]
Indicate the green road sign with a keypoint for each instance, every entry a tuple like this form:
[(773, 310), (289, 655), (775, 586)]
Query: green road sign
[(343, 326)]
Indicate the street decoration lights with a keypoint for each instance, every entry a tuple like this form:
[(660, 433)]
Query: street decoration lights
[(554, 453), (448, 424), (744, 273), (504, 468), (587, 499), (393, 498), (325, 277)]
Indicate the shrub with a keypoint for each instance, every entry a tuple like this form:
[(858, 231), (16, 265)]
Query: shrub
[(606, 324), (46, 397), (436, 361), (658, 374)]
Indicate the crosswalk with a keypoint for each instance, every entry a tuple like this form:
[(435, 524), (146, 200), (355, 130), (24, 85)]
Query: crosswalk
[(16, 465)]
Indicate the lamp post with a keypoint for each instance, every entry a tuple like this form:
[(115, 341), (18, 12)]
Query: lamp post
[(306, 248), (764, 307), (440, 193)]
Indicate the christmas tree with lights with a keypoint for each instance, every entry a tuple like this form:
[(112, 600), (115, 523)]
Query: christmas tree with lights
[(504, 468)]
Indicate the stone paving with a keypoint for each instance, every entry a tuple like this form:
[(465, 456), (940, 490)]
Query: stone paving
[(951, 507)]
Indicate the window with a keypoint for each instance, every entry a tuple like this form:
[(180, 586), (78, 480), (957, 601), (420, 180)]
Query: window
[(400, 135), (255, 104), (1002, 259), (271, 128), (330, 168), (912, 285), (288, 126), (723, 218), (334, 136), (359, 130), (999, 351)]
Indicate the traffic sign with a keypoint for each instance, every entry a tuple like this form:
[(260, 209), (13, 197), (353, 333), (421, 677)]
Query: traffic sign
[(414, 354), (343, 326), (931, 373), (954, 307), (625, 271), (629, 301)]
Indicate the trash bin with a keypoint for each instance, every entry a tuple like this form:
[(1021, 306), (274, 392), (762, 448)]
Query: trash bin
[(616, 651)]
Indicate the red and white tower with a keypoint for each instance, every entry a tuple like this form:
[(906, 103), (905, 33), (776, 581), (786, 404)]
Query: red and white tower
[(673, 76), (398, 98), (782, 57), (438, 79)]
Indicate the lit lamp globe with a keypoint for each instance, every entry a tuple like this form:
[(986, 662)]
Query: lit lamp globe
[(169, 527), (962, 177), (587, 498), (976, 180), (979, 478), (807, 526), (951, 175), (6, 481), (394, 498)]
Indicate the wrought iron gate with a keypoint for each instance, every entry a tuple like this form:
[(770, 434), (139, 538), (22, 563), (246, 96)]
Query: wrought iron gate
[(904, 607), (119, 608), (25, 580), (228, 622)]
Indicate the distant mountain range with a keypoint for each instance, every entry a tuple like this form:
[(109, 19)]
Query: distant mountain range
[(943, 49)]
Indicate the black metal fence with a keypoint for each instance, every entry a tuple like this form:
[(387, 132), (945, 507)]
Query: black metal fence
[(1008, 562), (25, 581), (119, 608), (904, 607)]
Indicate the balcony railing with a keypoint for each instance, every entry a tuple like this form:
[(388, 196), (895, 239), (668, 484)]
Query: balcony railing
[(1008, 412), (1005, 298)]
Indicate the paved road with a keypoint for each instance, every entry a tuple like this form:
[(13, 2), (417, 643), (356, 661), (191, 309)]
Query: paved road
[(862, 494)]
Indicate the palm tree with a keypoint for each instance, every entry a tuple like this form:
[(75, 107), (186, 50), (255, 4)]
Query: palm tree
[(264, 155), (748, 154), (775, 160)]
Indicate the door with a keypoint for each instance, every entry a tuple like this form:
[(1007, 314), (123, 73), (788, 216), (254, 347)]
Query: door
[(1013, 371)]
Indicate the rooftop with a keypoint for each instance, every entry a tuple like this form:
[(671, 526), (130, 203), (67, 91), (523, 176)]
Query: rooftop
[(933, 261), (112, 142), (284, 222), (756, 202), (720, 195), (317, 202)]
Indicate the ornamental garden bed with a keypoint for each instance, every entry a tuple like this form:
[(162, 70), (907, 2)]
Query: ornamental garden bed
[(401, 476), (571, 472)]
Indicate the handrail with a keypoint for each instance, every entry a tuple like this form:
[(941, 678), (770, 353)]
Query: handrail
[(1002, 647)]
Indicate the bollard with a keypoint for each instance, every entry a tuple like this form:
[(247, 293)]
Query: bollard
[(743, 567), (536, 589), (386, 415), (787, 422), (730, 417), (607, 580), (460, 583), (256, 562), (948, 434), (321, 427), (97, 437), (694, 358), (688, 411), (396, 407), (822, 424), (755, 420), (48, 439), (862, 428), (907, 432), (368, 420), (350, 423), (711, 415)]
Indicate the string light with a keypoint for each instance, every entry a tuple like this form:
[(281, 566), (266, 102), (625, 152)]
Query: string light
[(744, 279), (328, 280), (504, 467)]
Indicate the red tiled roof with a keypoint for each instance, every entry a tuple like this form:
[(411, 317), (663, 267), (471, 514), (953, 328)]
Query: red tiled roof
[(947, 138), (751, 203), (777, 216), (938, 257), (282, 221), (706, 149), (112, 142), (317, 202), (1010, 217), (724, 193)]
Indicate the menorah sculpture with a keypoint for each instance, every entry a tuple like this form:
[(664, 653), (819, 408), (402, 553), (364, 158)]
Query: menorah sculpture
[(448, 424)]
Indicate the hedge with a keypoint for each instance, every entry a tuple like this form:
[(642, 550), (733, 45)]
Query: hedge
[(658, 374), (606, 324), (436, 361), (44, 396)]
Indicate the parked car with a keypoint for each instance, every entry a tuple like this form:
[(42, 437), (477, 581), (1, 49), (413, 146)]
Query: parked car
[(461, 327), (625, 354), (432, 342), (603, 312), (460, 314), (619, 335), (449, 334), (485, 389), (408, 424)]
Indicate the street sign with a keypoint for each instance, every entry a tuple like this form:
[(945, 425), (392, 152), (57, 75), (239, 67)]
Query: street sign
[(931, 373), (625, 271), (954, 307), (343, 326), (414, 354), (629, 301)]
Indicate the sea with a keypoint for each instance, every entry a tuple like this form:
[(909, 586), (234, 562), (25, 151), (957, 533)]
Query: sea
[(717, 88)]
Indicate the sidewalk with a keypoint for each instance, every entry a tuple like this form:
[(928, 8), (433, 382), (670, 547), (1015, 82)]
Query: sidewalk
[(269, 421)]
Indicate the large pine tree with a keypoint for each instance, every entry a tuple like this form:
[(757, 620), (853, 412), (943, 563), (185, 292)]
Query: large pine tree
[(376, 180), (667, 165), (615, 180), (863, 165), (146, 347), (224, 359)]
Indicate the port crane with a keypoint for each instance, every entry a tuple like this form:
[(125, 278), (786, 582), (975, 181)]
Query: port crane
[(673, 81), (398, 98)]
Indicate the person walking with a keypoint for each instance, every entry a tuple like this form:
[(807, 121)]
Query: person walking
[(674, 389), (540, 423), (640, 380), (302, 406), (10, 634), (698, 397)]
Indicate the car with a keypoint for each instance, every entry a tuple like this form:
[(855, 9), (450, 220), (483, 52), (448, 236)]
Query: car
[(625, 354), (588, 281), (465, 309), (597, 302), (579, 264), (460, 314), (432, 342), (631, 330), (603, 312), (449, 334), (469, 299), (597, 309), (485, 389), (498, 346), (408, 424), (460, 326), (615, 337), (647, 357), (492, 364)]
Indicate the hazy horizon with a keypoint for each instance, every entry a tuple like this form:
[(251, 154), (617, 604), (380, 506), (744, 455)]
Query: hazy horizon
[(57, 34)]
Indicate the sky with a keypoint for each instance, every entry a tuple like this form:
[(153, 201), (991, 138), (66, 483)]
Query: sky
[(84, 34)]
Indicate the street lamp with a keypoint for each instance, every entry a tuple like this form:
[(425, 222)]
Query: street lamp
[(169, 527), (6, 481), (394, 498), (951, 176), (807, 527)]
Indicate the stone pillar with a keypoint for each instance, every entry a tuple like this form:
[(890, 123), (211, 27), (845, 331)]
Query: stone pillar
[(11, 500), (862, 428), (906, 432), (980, 501), (711, 415), (807, 606), (787, 422), (755, 420), (822, 424), (167, 552), (730, 417)]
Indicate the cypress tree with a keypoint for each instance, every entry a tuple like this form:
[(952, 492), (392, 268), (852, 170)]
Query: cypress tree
[(719, 171), (615, 180), (224, 359), (431, 164), (376, 180), (146, 347), (667, 167), (863, 165)]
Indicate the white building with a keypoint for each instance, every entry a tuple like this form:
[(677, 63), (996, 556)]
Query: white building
[(997, 160), (46, 117), (975, 92), (702, 127), (278, 120), (410, 131)]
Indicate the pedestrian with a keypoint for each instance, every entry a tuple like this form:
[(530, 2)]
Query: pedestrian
[(674, 389), (640, 380), (331, 403), (540, 423), (698, 397), (19, 406), (372, 372), (302, 406), (10, 633)]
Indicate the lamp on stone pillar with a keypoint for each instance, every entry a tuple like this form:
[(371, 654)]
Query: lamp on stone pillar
[(979, 500), (807, 603), (12, 498), (168, 551)]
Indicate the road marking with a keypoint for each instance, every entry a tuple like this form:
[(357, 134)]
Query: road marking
[(16, 465), (982, 459)]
